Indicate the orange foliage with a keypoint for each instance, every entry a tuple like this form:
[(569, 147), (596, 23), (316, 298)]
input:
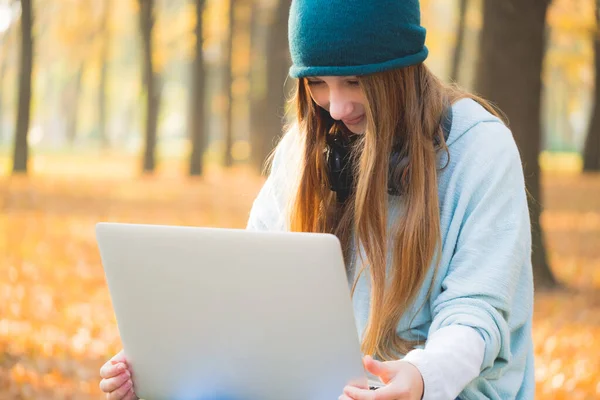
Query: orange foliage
[(57, 326)]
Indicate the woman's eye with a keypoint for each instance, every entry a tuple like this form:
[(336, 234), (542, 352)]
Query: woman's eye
[(314, 83), (352, 83)]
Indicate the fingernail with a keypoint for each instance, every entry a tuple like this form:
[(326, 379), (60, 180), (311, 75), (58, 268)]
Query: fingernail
[(121, 367), (129, 383), (128, 373)]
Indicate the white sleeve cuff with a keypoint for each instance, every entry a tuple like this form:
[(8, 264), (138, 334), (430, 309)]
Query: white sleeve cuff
[(451, 359)]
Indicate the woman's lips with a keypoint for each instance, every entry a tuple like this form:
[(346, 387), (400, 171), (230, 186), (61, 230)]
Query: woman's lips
[(353, 121)]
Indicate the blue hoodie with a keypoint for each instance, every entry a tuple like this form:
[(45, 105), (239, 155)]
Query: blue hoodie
[(485, 278)]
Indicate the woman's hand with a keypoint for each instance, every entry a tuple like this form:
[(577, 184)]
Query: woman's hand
[(116, 379), (402, 380)]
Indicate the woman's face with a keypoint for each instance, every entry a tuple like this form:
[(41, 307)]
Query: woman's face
[(342, 97)]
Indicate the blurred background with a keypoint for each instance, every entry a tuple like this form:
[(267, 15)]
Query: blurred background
[(163, 111)]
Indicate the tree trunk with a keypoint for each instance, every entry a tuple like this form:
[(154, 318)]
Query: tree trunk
[(72, 106), (509, 74), (104, 55), (460, 39), (197, 134), (21, 149), (152, 82), (591, 151), (227, 88), (272, 113)]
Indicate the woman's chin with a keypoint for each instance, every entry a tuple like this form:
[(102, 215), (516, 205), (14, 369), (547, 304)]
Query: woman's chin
[(356, 129)]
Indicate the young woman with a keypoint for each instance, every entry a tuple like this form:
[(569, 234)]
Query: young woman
[(423, 184)]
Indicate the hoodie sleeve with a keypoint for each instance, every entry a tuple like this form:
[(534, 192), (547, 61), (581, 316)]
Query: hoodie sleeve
[(265, 207), (488, 285)]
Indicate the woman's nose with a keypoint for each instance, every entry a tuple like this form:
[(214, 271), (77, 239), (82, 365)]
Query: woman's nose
[(339, 107)]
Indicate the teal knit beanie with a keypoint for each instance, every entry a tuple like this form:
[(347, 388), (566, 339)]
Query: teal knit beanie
[(354, 37)]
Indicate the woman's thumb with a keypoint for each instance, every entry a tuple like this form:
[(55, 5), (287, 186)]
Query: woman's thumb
[(377, 368)]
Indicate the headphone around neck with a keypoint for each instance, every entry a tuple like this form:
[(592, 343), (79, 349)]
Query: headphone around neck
[(338, 154)]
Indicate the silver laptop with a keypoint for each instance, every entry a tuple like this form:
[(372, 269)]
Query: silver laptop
[(207, 313)]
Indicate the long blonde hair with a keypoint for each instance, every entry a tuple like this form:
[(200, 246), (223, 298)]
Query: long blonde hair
[(405, 107)]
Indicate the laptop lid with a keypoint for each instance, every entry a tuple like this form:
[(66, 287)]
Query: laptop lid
[(225, 313)]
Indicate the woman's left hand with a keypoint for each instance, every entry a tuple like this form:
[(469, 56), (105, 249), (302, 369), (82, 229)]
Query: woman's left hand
[(402, 380)]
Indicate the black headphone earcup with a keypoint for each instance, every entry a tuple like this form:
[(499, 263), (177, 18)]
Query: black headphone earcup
[(339, 164)]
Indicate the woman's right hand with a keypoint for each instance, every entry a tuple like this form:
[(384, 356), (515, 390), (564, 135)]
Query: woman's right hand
[(116, 379)]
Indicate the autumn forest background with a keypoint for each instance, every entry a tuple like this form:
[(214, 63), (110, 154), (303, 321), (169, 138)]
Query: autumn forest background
[(163, 111)]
